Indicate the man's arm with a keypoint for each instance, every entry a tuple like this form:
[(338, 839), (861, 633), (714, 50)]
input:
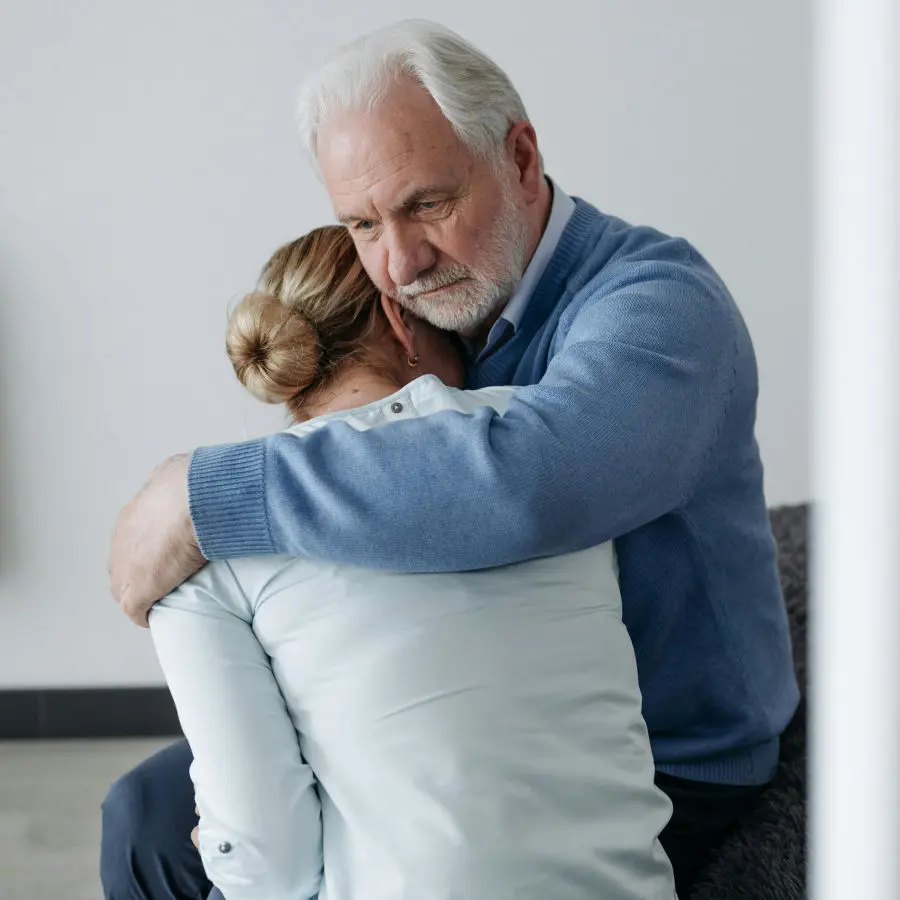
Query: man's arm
[(260, 831), (615, 435)]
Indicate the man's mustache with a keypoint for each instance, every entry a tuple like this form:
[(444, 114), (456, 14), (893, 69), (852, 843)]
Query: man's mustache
[(432, 282)]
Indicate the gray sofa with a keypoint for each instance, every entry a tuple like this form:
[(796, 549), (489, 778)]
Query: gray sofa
[(764, 858)]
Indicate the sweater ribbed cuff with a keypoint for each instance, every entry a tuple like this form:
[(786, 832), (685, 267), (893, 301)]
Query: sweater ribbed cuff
[(226, 492), (755, 765)]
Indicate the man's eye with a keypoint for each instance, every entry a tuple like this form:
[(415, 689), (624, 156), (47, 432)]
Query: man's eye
[(365, 225), (427, 205)]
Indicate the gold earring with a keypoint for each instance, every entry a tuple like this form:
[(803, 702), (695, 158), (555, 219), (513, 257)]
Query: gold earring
[(412, 363)]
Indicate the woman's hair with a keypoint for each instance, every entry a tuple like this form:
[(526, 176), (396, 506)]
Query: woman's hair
[(314, 308), (473, 92)]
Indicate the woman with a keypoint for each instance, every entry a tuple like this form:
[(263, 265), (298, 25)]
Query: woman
[(364, 734)]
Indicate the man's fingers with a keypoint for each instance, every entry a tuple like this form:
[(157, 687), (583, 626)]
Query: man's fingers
[(153, 547), (135, 611)]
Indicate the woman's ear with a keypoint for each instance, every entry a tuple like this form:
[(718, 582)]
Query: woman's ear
[(398, 319)]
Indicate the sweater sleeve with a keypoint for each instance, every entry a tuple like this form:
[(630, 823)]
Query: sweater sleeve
[(614, 435)]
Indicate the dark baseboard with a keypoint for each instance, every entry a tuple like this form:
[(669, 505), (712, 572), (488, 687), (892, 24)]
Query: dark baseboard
[(87, 713)]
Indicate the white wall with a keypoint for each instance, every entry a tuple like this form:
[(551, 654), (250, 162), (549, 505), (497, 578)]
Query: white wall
[(148, 166)]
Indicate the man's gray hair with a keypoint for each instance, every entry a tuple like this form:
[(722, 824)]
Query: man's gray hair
[(473, 92)]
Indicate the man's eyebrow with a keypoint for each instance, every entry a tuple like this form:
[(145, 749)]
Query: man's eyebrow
[(410, 200), (427, 191)]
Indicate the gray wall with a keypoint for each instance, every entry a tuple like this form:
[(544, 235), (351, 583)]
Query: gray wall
[(149, 165)]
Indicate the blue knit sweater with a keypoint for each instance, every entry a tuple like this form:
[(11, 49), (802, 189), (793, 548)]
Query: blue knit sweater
[(635, 422)]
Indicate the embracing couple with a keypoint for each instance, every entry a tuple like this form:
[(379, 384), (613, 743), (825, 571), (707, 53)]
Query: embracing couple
[(498, 616)]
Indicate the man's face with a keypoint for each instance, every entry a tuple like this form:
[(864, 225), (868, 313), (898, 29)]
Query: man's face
[(435, 227)]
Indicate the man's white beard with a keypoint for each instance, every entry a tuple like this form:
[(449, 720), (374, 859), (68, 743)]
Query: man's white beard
[(474, 296)]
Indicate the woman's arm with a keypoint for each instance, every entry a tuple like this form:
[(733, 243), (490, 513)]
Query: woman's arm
[(260, 826)]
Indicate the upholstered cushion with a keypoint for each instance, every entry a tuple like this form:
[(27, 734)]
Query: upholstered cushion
[(764, 858)]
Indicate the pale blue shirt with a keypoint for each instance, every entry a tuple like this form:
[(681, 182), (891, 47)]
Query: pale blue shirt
[(370, 735)]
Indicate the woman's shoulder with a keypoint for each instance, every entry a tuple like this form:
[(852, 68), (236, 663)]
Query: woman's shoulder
[(423, 397), (430, 394)]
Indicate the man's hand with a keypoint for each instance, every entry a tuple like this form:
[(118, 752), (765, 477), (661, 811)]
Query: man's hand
[(154, 548)]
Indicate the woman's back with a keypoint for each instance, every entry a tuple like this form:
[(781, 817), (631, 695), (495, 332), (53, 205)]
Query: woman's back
[(472, 734)]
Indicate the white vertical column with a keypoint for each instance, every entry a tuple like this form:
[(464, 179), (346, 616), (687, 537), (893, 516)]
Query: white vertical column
[(855, 617)]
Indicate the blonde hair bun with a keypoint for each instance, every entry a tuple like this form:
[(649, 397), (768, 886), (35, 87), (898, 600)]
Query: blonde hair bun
[(314, 309), (274, 348)]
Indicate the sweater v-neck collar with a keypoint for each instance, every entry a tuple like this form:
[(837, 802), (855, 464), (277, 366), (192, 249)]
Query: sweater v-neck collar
[(547, 294)]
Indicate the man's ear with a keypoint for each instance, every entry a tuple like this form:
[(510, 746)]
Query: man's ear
[(522, 148), (397, 318)]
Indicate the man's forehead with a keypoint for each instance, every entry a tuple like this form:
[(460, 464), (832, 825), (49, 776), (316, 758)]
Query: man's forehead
[(365, 180), (352, 168), (402, 145)]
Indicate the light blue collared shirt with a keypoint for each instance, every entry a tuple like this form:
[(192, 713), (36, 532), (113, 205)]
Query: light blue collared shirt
[(561, 211)]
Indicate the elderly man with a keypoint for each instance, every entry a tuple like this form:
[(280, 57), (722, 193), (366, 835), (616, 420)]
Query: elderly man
[(635, 422)]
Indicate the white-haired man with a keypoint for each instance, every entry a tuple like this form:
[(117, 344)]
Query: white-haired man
[(635, 422)]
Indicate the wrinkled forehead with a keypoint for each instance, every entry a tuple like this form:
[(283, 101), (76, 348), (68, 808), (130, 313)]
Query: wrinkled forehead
[(377, 156)]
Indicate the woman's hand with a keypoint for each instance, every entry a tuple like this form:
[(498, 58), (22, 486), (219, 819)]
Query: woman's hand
[(195, 833)]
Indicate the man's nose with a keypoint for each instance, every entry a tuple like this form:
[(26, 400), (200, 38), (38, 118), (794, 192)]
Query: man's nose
[(409, 254)]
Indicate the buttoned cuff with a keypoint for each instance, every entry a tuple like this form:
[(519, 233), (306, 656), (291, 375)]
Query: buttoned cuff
[(248, 871)]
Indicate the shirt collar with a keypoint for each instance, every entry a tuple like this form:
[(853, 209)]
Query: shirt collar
[(561, 210)]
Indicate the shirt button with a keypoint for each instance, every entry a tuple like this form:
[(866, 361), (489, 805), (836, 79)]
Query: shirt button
[(396, 407), (224, 847)]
